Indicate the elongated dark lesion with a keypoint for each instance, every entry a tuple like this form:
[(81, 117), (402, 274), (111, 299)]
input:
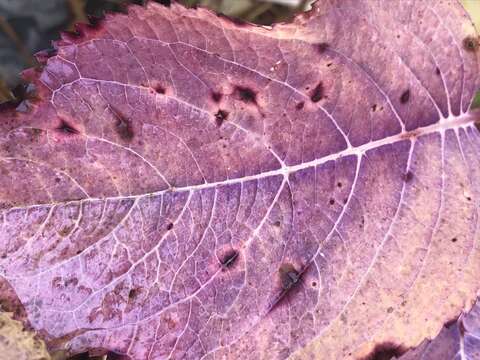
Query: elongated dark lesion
[(66, 128), (229, 259), (290, 280)]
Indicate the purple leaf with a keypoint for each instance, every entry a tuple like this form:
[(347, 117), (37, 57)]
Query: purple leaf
[(183, 186)]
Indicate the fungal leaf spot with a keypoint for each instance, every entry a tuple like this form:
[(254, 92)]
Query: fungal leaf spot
[(216, 96), (220, 117), (123, 126), (322, 47), (246, 94), (471, 44), (405, 96), (229, 259), (66, 129), (289, 276), (317, 93)]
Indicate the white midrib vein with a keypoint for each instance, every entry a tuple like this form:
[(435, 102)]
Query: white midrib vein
[(452, 122)]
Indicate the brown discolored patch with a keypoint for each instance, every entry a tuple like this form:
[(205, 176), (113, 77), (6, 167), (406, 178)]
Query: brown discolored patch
[(289, 276), (229, 259), (220, 117), (123, 127), (317, 93), (471, 44), (159, 89), (300, 105), (405, 97), (246, 94), (66, 129), (216, 96), (322, 47), (236, 21), (385, 351), (408, 176)]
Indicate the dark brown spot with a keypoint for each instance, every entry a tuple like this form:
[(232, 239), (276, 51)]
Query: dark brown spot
[(317, 93), (331, 202), (314, 284), (132, 294), (405, 96), (408, 176), (289, 277), (322, 47), (374, 107), (470, 44), (329, 64), (229, 259), (220, 117), (216, 96), (386, 351), (123, 127), (339, 184), (66, 129), (159, 89), (170, 226), (246, 94), (277, 223), (437, 71), (454, 240), (390, 310), (300, 105)]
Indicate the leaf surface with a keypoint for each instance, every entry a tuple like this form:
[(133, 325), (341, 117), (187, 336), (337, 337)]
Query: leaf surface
[(180, 185)]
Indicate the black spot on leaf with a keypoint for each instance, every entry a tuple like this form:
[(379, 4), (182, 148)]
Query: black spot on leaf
[(246, 94), (66, 129), (159, 89), (300, 105), (470, 44), (132, 294), (216, 96), (408, 176), (322, 47), (454, 240), (437, 71), (170, 226), (229, 259), (331, 202), (405, 96), (317, 93), (220, 117)]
